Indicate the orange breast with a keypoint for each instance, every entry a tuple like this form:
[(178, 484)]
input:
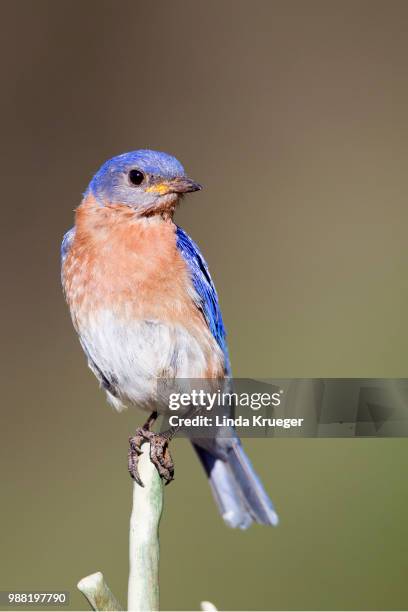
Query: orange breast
[(131, 266), (126, 263)]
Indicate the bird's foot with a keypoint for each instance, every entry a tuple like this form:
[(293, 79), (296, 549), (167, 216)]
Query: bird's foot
[(159, 454)]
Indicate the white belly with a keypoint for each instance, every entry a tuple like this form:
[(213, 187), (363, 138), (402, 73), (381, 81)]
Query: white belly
[(128, 358)]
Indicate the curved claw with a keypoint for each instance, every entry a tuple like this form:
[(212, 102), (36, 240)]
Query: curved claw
[(161, 458), (135, 443)]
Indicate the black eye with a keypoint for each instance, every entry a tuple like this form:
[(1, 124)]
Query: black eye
[(136, 177)]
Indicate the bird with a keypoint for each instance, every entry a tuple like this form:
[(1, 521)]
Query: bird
[(144, 306)]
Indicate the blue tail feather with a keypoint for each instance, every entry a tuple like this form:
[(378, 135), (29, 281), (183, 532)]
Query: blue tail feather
[(237, 488)]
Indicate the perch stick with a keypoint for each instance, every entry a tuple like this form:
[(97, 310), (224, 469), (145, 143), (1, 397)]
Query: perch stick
[(98, 593), (143, 586), (207, 606)]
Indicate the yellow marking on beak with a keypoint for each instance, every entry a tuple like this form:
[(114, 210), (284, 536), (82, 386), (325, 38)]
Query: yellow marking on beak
[(160, 189)]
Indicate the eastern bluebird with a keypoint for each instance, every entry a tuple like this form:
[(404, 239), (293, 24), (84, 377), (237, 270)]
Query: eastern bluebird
[(144, 306)]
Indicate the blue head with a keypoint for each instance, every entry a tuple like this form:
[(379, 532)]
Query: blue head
[(150, 182)]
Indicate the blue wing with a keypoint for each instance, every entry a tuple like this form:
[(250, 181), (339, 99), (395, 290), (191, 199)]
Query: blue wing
[(206, 298)]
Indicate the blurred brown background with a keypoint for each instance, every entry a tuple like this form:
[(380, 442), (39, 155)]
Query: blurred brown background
[(294, 116)]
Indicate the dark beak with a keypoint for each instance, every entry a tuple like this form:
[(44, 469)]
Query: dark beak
[(183, 185)]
